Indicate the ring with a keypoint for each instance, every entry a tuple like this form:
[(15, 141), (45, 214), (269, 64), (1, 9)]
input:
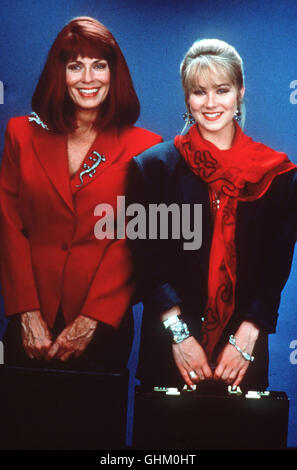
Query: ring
[(193, 374)]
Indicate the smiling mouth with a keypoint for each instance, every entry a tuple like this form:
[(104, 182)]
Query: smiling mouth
[(212, 116), (88, 92)]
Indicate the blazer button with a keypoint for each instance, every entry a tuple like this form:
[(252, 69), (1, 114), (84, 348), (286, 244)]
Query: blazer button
[(65, 247)]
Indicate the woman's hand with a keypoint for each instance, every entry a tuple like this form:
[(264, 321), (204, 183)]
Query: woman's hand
[(190, 358), (36, 336), (232, 366), (74, 339)]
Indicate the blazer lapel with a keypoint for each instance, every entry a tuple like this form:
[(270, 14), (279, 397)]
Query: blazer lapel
[(51, 150), (105, 151)]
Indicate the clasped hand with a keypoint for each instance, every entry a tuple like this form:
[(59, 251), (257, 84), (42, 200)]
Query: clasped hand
[(72, 341)]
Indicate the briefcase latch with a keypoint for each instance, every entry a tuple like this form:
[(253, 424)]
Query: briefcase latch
[(167, 390), (257, 395), (236, 391)]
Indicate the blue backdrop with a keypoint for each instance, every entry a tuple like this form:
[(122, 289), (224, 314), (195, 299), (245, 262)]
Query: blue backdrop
[(154, 35)]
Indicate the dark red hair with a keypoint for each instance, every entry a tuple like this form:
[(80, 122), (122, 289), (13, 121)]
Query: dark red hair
[(89, 38)]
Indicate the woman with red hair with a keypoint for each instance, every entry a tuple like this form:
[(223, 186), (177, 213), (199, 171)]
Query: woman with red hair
[(67, 294)]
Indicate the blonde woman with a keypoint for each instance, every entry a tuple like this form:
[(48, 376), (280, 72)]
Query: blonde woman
[(208, 311)]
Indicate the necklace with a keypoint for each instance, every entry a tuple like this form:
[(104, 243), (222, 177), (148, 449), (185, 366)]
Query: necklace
[(216, 201)]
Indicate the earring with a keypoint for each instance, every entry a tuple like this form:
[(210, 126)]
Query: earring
[(237, 115), (188, 118)]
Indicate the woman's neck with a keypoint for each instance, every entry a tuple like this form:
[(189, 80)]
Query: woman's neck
[(222, 139), (85, 121)]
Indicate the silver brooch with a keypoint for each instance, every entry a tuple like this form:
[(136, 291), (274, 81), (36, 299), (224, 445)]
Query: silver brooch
[(34, 117), (91, 170)]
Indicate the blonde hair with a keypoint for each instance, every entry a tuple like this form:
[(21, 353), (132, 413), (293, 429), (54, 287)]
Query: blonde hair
[(212, 56)]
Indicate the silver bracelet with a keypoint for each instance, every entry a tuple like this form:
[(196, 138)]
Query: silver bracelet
[(245, 355), (177, 327)]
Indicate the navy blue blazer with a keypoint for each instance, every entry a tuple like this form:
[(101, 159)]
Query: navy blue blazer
[(168, 275)]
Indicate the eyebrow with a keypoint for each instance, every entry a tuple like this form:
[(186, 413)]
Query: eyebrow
[(80, 62), (214, 86)]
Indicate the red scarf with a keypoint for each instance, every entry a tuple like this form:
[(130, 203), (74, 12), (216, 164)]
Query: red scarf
[(242, 173)]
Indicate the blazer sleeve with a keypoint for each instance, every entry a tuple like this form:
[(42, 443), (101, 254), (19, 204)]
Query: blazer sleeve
[(278, 242), (111, 290), (150, 256), (17, 279)]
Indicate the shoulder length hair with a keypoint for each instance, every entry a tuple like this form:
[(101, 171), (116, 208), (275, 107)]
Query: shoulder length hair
[(87, 37)]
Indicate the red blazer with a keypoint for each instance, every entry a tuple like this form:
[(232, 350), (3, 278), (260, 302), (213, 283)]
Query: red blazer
[(49, 253)]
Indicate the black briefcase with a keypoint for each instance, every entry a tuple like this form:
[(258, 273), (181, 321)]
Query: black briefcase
[(62, 410), (210, 418)]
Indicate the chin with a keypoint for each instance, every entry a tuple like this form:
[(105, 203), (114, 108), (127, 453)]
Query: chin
[(216, 126), (87, 106)]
